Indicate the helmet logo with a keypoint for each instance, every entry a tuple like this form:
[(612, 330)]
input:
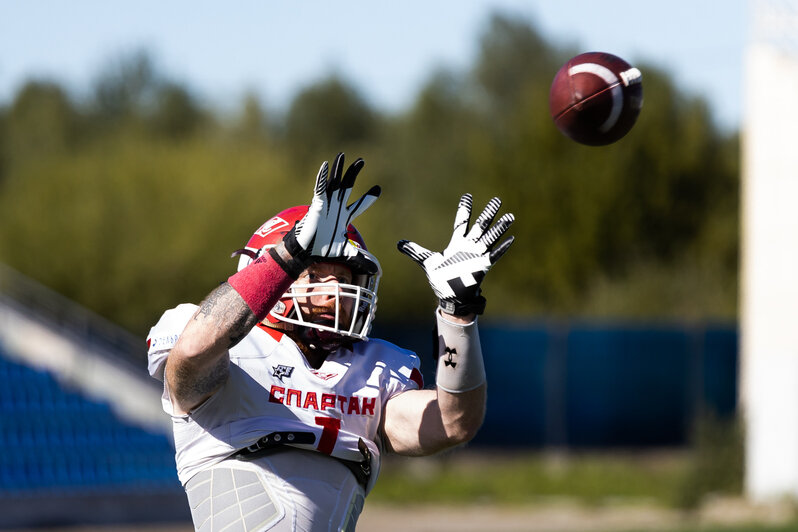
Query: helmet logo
[(270, 226), (279, 308)]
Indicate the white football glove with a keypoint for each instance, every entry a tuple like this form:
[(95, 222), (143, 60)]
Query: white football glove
[(321, 233), (456, 274)]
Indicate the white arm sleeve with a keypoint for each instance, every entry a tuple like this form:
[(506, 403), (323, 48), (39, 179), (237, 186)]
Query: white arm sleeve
[(460, 364)]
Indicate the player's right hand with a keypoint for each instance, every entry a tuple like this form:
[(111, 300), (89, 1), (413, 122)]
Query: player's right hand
[(322, 232)]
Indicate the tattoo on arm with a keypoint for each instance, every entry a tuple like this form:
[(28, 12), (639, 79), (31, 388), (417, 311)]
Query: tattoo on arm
[(225, 308), (193, 388), (222, 320)]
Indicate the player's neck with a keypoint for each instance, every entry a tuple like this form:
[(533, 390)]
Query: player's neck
[(314, 356)]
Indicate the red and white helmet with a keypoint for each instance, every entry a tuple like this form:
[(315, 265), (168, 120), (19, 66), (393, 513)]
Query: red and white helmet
[(366, 273)]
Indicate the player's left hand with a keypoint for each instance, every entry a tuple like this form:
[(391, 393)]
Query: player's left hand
[(456, 274)]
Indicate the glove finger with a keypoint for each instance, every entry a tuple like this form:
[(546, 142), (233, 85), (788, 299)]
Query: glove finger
[(311, 219), (351, 172), (366, 200), (321, 180), (501, 249), (485, 218), (335, 179), (463, 216), (499, 228), (413, 250), (348, 180)]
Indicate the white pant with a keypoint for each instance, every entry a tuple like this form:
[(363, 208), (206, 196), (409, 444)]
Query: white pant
[(287, 490)]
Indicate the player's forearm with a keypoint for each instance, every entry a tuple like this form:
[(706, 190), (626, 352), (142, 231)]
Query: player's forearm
[(425, 422), (461, 414), (197, 365), (460, 378)]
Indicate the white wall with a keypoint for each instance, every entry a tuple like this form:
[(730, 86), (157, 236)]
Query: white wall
[(769, 276)]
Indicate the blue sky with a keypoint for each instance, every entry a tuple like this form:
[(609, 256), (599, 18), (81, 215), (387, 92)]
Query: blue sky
[(387, 49)]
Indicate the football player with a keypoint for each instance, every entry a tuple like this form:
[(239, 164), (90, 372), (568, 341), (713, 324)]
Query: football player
[(282, 405)]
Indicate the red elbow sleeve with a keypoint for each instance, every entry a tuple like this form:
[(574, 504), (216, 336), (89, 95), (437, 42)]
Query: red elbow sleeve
[(261, 284)]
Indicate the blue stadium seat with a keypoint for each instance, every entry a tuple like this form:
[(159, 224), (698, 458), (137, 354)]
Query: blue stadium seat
[(56, 440)]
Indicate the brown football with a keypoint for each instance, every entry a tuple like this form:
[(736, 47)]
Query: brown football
[(595, 98)]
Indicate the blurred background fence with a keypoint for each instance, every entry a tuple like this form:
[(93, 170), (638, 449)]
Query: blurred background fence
[(586, 384)]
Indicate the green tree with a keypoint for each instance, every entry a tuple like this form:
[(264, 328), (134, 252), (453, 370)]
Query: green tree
[(131, 225), (125, 88), (40, 121), (512, 55), (252, 123), (328, 116), (176, 114)]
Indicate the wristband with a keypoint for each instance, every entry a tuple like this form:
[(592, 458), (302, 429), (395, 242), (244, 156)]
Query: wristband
[(455, 307), (291, 257), (460, 365), (261, 285)]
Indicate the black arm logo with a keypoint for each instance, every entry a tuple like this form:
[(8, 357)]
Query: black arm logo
[(449, 352)]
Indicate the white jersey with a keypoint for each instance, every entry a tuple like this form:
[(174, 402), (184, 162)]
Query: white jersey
[(271, 388)]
